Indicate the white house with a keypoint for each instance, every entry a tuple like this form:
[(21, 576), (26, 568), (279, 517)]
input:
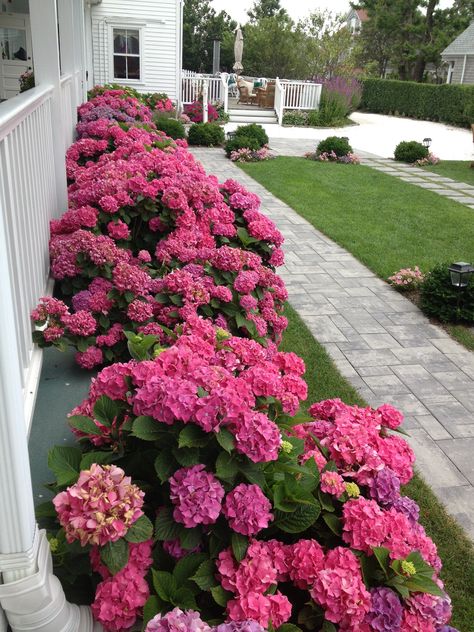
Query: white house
[(135, 43)]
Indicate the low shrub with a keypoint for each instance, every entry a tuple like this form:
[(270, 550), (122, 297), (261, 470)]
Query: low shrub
[(170, 126), (299, 118), (253, 131), (206, 134), (313, 118), (241, 142), (441, 299), (250, 155), (410, 151), (340, 146), (332, 109), (430, 102)]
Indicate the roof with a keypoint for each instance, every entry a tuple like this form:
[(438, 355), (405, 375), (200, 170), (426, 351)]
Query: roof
[(463, 44)]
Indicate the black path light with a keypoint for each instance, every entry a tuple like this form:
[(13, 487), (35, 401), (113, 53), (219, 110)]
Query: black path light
[(460, 273), (427, 142)]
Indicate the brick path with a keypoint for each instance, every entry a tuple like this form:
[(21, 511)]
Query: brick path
[(382, 343)]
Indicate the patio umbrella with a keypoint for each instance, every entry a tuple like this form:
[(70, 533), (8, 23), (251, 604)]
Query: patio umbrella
[(238, 51)]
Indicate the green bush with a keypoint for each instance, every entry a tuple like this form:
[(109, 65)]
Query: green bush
[(332, 109), (410, 151), (206, 134), (430, 102), (295, 117), (340, 146), (313, 118), (441, 299), (253, 131), (241, 142), (170, 126)]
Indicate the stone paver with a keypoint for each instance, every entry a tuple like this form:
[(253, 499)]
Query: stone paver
[(382, 343)]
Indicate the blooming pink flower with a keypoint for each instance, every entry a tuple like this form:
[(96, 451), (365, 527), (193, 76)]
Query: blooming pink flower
[(305, 561), (177, 621), (100, 507), (197, 496), (364, 524), (332, 483), (247, 509)]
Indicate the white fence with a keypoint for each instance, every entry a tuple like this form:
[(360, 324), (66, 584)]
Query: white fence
[(192, 88), (301, 95), (68, 106), (28, 200)]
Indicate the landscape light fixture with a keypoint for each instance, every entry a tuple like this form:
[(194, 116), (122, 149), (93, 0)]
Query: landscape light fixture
[(427, 142), (460, 274), (230, 135)]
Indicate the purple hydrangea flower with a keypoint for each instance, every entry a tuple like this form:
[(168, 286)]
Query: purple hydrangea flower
[(240, 626), (386, 611), (178, 621), (80, 301), (407, 506), (385, 487), (446, 628)]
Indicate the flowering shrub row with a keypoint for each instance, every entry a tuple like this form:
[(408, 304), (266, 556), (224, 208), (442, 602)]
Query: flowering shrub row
[(407, 279), (199, 498), (331, 156)]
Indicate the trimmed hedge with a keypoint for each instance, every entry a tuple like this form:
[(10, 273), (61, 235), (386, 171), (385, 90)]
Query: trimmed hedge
[(448, 103)]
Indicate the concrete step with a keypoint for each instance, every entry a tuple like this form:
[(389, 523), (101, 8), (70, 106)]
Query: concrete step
[(252, 116)]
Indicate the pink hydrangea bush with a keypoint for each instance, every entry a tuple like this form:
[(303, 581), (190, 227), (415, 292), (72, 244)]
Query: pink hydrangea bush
[(331, 156), (199, 498), (195, 112), (407, 279), (250, 155)]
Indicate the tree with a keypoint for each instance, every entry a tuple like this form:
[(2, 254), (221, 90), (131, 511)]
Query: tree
[(202, 25), (409, 34), (328, 46), (272, 48), (265, 9)]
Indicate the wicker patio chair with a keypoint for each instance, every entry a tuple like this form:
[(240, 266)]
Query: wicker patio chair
[(245, 96), (266, 98)]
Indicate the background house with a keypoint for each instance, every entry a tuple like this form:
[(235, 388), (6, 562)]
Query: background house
[(460, 57), (354, 20)]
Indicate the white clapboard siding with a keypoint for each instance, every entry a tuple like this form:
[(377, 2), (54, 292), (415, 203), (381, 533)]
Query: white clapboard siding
[(159, 21)]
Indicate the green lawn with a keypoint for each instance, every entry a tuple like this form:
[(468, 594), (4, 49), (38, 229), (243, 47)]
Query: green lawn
[(456, 169), (455, 549), (386, 223)]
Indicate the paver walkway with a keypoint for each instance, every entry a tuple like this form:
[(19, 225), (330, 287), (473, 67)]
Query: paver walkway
[(382, 343), (447, 187)]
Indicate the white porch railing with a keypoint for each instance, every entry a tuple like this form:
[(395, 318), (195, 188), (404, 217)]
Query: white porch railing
[(279, 99), (68, 106), (301, 95), (191, 89), (27, 203)]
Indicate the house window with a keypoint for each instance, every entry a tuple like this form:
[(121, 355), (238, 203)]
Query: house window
[(126, 54)]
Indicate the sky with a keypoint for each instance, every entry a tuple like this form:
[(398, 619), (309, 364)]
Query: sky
[(296, 8)]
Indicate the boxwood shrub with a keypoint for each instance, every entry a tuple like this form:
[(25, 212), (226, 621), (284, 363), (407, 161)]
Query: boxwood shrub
[(431, 102), (241, 142), (410, 151), (206, 134), (340, 146), (170, 126), (253, 131), (439, 298)]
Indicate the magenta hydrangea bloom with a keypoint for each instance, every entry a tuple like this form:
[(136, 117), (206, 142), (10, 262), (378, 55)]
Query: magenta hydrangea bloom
[(332, 483), (247, 509), (386, 611), (197, 495), (364, 524), (178, 621)]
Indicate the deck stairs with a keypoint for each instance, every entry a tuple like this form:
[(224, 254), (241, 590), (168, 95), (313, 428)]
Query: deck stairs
[(251, 114)]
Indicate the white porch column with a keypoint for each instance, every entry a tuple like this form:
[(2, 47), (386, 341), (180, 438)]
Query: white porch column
[(44, 30), (67, 46)]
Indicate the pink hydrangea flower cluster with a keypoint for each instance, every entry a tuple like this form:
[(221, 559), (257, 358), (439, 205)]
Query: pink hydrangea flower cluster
[(247, 509), (197, 496), (100, 507), (407, 278)]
